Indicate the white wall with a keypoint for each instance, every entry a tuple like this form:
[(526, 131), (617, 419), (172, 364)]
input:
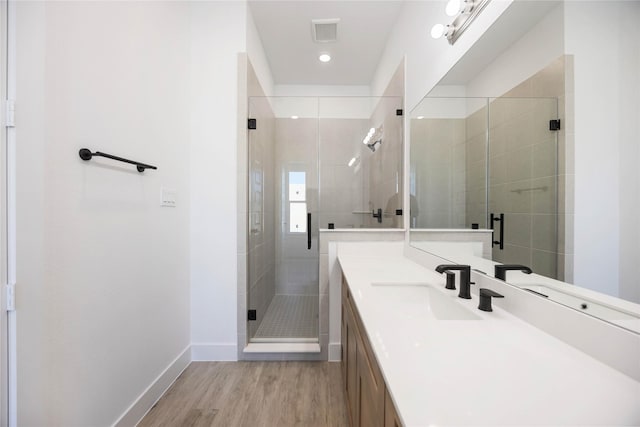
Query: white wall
[(218, 33), (604, 38), (257, 56), (103, 270)]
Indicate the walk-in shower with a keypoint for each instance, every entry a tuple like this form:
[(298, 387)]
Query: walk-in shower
[(311, 167)]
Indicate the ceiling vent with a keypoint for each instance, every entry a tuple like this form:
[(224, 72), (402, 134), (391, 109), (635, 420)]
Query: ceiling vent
[(325, 30)]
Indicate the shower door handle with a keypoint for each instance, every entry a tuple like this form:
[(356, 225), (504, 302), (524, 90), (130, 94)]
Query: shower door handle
[(493, 219), (308, 231)]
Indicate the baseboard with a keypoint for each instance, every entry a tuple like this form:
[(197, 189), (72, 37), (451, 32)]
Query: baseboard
[(212, 352), (335, 352), (150, 396)]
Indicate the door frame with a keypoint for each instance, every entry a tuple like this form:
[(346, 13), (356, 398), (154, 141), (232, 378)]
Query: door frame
[(8, 371)]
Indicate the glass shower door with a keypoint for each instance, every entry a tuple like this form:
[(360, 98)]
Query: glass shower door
[(283, 220), (523, 182)]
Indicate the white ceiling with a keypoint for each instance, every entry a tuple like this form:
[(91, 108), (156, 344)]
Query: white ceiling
[(285, 30)]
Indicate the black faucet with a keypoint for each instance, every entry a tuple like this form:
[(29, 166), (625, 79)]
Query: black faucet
[(500, 271), (377, 215), (485, 298), (451, 280), (465, 278)]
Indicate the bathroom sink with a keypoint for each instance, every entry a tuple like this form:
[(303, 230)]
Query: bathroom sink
[(440, 305)]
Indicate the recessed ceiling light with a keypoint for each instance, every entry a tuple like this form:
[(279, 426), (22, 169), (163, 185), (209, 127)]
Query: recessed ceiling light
[(294, 117), (325, 57)]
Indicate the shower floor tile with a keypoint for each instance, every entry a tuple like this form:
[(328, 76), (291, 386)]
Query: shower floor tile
[(290, 316)]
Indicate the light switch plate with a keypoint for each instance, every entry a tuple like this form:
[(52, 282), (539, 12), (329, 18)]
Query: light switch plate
[(167, 197)]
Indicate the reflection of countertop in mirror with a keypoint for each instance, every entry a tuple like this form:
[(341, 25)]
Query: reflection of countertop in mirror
[(497, 370), (614, 310)]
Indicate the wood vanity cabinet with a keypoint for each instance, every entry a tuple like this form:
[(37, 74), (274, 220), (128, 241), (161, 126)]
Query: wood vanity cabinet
[(368, 403)]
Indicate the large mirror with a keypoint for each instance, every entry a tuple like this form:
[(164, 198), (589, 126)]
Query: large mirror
[(526, 153)]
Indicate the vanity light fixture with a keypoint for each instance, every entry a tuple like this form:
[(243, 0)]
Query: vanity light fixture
[(324, 57), (465, 12)]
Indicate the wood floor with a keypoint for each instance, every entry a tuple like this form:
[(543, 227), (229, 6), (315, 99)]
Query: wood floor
[(253, 394)]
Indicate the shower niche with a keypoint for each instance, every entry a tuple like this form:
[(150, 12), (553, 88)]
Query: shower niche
[(314, 162)]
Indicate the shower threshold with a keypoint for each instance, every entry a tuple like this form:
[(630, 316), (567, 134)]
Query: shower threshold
[(282, 347), (284, 340)]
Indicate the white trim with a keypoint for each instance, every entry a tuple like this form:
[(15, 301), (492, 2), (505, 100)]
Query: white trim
[(282, 347), (143, 404), (335, 352), (12, 357), (214, 352)]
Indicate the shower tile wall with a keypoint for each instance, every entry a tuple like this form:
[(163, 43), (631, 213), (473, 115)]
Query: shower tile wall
[(343, 187), (439, 146), (525, 177), (476, 169), (262, 186), (385, 165)]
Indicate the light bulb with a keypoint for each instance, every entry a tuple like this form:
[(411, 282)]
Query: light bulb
[(453, 7), (325, 57), (437, 31), (294, 117)]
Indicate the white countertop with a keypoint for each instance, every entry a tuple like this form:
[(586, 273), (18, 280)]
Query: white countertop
[(497, 370)]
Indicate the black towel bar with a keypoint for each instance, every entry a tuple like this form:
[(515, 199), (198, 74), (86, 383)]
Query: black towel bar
[(86, 154)]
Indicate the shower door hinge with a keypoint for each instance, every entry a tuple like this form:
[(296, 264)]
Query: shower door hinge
[(10, 113), (10, 294), (554, 124), (252, 315), (252, 124)]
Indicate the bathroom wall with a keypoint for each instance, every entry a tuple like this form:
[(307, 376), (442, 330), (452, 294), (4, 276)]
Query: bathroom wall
[(218, 32), (102, 269), (607, 93)]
